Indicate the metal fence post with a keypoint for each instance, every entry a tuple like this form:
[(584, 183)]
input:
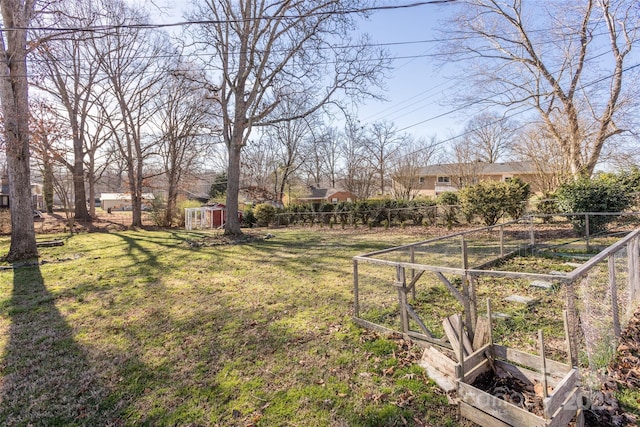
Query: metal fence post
[(587, 233)]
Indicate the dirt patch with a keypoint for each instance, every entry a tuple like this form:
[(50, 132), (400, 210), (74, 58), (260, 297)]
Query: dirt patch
[(511, 390)]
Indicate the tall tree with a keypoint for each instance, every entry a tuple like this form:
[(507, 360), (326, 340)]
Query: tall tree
[(47, 140), (184, 123), (288, 140), (536, 146), (68, 71), (566, 61), (358, 173), (14, 97), (380, 145), (133, 66), (270, 50)]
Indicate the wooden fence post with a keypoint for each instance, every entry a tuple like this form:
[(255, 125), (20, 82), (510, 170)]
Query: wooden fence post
[(356, 302), (613, 287), (532, 235), (501, 241), (412, 252), (402, 299), (466, 292)]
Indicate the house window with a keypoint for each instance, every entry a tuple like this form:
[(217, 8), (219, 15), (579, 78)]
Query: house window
[(349, 199), (444, 180), (507, 178), (334, 200), (421, 180)]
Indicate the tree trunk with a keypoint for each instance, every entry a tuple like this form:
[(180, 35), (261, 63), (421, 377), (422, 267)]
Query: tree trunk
[(14, 95), (47, 186), (92, 189), (232, 226), (79, 193), (172, 197)]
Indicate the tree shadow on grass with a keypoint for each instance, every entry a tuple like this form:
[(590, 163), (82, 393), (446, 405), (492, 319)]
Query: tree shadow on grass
[(45, 377)]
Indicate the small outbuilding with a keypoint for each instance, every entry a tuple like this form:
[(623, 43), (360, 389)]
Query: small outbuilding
[(205, 217)]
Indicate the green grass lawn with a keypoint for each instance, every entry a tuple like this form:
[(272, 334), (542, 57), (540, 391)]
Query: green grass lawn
[(146, 328)]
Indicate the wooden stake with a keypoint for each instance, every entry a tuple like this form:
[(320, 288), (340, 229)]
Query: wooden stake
[(461, 350), (543, 365), (565, 319)]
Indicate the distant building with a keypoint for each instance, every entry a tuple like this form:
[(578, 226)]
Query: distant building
[(329, 195), (121, 201), (37, 198), (437, 179)]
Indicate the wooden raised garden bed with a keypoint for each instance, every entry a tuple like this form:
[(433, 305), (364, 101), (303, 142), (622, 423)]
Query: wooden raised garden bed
[(499, 386), (514, 370)]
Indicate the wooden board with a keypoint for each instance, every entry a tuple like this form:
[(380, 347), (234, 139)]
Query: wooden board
[(439, 368), (554, 369), (480, 417), (451, 327), (563, 389), (568, 411), (475, 358), (497, 408), (481, 336), (471, 375)]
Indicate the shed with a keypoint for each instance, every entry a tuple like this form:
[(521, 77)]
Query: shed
[(210, 216)]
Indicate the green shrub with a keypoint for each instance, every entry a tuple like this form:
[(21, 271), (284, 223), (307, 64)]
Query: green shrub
[(491, 200), (265, 214), (547, 205), (593, 195), (248, 218), (448, 201), (517, 195)]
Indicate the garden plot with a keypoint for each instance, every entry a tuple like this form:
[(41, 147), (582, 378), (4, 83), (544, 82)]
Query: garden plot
[(531, 280)]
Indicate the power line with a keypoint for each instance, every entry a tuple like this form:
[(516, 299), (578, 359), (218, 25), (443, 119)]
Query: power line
[(141, 26)]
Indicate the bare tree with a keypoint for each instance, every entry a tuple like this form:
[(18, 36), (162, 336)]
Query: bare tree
[(465, 168), (133, 68), (14, 97), (489, 136), (380, 145), (288, 141), (270, 50), (259, 161), (49, 134), (68, 71), (97, 160), (322, 155), (184, 121), (358, 173), (536, 146), (411, 157), (550, 59)]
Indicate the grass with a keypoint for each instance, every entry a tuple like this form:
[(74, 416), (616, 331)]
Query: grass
[(144, 328)]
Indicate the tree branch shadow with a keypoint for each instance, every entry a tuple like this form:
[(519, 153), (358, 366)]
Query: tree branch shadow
[(45, 375)]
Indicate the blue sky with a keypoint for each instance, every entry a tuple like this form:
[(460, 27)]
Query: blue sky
[(415, 89)]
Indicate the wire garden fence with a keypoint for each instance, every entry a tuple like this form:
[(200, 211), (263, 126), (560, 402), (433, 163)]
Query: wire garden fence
[(538, 275)]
